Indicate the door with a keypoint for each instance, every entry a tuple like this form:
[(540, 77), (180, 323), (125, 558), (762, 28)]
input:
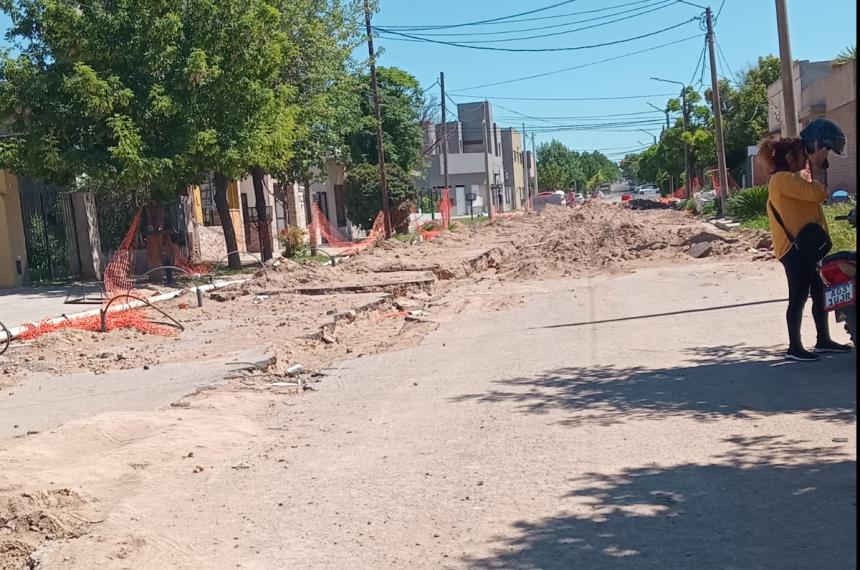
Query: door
[(44, 232), (322, 202)]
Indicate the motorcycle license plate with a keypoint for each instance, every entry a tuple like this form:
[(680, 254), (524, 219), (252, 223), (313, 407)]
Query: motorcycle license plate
[(838, 295)]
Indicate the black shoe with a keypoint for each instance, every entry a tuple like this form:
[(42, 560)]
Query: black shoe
[(830, 346), (801, 355)]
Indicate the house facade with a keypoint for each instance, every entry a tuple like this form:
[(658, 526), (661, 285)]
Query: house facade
[(474, 141), (514, 160), (822, 90)]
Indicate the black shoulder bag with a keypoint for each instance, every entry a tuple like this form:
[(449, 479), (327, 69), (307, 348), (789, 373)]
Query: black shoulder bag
[(812, 240)]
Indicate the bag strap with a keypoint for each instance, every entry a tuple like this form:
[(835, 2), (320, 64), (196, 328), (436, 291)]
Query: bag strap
[(779, 221)]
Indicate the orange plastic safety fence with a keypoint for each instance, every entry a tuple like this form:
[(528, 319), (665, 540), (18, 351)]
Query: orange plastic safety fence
[(119, 273), (129, 319), (433, 229), (182, 262), (323, 227)]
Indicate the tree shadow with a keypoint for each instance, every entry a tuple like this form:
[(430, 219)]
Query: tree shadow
[(724, 381), (770, 503)]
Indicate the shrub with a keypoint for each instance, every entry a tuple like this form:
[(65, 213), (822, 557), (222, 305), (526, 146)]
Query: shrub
[(362, 195), (292, 239), (748, 204)]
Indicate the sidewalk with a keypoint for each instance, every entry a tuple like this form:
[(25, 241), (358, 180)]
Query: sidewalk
[(33, 304)]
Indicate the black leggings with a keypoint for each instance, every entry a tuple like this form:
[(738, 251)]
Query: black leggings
[(803, 282)]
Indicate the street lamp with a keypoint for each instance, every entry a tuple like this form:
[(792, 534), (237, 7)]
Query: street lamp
[(652, 135), (662, 111), (688, 183)]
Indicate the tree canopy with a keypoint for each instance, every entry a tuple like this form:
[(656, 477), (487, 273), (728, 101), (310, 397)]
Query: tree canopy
[(402, 106), (744, 109), (560, 168), (148, 95)]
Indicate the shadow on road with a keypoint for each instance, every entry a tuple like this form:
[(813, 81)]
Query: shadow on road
[(768, 504), (724, 381), (669, 314)]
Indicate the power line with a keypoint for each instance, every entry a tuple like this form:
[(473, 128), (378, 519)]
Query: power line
[(536, 50), (690, 4), (647, 10), (490, 21), (609, 116), (520, 20), (553, 34), (460, 94), (725, 62), (584, 65), (720, 11), (701, 61)]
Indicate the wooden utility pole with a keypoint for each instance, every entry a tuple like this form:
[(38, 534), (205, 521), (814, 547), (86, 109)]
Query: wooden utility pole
[(380, 145), (789, 118), (718, 115), (526, 170), (444, 131), (486, 136)]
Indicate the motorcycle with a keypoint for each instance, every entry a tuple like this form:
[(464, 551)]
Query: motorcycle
[(839, 274)]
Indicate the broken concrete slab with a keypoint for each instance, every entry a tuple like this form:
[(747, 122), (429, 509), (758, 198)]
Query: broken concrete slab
[(701, 249)]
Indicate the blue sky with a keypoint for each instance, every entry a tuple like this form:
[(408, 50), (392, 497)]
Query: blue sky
[(744, 31)]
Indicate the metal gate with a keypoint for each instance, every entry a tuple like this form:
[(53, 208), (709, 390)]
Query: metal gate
[(44, 231)]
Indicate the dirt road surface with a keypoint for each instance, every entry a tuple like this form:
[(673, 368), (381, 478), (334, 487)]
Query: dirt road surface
[(610, 419)]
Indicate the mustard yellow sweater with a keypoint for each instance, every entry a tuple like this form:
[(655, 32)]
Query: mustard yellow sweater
[(798, 203)]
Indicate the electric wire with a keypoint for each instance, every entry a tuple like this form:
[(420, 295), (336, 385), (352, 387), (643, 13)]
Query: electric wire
[(536, 50)]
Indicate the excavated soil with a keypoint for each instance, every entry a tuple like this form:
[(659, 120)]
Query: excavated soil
[(29, 519), (288, 305)]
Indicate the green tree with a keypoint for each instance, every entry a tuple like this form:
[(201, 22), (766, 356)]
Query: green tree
[(847, 55), (557, 166), (630, 167), (362, 195), (401, 106), (147, 95)]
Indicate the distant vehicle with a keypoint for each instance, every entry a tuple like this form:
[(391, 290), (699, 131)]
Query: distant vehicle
[(543, 198), (580, 198), (648, 191), (606, 187)]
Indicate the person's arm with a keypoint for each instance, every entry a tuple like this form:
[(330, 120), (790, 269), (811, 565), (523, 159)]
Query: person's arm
[(799, 189)]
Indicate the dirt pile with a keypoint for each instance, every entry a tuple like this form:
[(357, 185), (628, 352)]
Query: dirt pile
[(286, 305), (29, 519), (601, 238)]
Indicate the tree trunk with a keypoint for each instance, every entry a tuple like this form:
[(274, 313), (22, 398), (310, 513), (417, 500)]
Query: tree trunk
[(221, 184), (264, 224), (313, 231)]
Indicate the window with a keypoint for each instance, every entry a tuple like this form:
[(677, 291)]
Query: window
[(340, 204)]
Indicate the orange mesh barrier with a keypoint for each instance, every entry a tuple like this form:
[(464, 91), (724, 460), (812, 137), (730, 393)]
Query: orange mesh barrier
[(119, 273), (430, 230), (323, 227), (129, 319), (182, 262)]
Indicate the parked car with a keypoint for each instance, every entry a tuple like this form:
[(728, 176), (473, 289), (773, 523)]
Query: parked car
[(648, 191), (543, 198)]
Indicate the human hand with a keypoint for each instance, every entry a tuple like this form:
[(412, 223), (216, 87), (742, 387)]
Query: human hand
[(818, 159)]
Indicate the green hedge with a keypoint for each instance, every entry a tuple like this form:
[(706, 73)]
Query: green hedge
[(748, 204)]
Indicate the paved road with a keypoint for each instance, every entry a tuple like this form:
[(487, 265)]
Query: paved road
[(635, 421)]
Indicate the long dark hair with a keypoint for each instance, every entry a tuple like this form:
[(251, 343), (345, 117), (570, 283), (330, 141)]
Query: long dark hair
[(774, 153)]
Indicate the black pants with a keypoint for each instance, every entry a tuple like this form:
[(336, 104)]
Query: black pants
[(803, 282)]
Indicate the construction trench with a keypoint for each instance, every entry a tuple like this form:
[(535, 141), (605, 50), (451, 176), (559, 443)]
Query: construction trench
[(288, 303), (275, 332)]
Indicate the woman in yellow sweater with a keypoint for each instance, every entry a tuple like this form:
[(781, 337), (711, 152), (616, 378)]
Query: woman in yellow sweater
[(798, 203)]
